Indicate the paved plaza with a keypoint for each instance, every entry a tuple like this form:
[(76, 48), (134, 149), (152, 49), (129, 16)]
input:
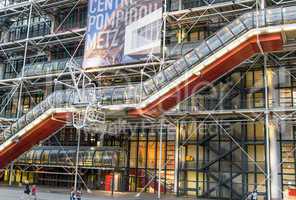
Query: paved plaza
[(14, 193)]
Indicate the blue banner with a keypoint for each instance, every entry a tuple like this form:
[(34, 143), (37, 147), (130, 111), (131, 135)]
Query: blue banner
[(122, 31)]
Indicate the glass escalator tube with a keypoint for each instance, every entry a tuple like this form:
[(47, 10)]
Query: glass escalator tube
[(202, 50), (214, 43), (149, 86), (181, 65), (118, 95), (107, 96), (191, 58), (289, 15), (274, 16), (160, 79), (236, 27), (131, 94), (170, 72)]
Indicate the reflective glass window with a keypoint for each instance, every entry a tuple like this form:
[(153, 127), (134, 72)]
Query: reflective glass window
[(45, 157), (97, 159), (149, 86), (191, 58), (225, 35), (47, 68), (30, 156), (289, 14), (37, 156), (30, 70), (118, 95), (62, 64), (130, 94), (214, 42), (202, 50), (236, 27), (248, 20), (107, 96), (170, 72), (159, 79), (274, 16), (180, 65), (260, 17), (88, 158), (52, 67), (22, 158), (38, 68)]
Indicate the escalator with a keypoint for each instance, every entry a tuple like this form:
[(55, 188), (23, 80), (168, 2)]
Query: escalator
[(252, 33)]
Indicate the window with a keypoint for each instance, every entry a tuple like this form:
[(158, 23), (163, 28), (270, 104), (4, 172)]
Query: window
[(76, 19), (39, 26)]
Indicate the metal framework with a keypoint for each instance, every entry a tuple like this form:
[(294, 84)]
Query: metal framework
[(72, 76)]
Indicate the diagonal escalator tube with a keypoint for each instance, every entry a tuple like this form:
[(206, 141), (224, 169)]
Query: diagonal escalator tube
[(211, 59)]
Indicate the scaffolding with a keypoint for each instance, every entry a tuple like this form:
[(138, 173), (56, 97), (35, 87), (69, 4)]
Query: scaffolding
[(67, 74)]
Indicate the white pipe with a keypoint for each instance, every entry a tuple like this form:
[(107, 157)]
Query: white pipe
[(160, 159), (77, 159)]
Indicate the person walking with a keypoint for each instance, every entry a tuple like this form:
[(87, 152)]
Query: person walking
[(34, 192), (254, 195), (27, 190), (72, 194), (78, 194)]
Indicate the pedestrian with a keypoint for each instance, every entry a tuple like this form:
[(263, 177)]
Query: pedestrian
[(72, 194), (27, 190), (78, 194), (254, 195), (34, 192)]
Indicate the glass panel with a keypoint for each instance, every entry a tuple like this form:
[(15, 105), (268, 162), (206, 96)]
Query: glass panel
[(107, 96), (37, 156), (202, 50), (47, 68), (45, 157), (236, 27), (225, 35), (118, 95), (214, 43), (130, 95), (248, 19), (159, 79), (149, 86), (261, 18), (274, 16), (191, 58), (54, 67), (38, 68), (180, 65), (170, 72), (289, 15), (62, 65)]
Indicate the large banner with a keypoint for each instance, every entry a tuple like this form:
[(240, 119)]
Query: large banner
[(122, 31)]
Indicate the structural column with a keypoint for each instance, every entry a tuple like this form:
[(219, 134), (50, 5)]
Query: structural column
[(275, 161), (272, 148)]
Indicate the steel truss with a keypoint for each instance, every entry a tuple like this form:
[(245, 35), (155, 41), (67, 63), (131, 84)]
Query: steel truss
[(185, 18)]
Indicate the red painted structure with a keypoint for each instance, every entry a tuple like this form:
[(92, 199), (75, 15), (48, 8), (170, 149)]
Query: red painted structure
[(269, 43), (33, 137)]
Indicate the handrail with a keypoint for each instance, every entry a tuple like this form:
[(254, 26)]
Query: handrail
[(131, 94)]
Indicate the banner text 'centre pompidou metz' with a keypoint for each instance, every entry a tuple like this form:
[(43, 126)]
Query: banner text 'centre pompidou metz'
[(122, 31)]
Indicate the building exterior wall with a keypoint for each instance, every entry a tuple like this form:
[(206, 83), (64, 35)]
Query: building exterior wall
[(222, 136)]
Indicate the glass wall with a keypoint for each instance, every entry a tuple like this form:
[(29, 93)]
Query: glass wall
[(144, 160), (221, 161), (40, 26), (287, 141)]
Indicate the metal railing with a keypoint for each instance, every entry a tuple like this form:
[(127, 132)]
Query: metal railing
[(133, 94), (43, 68)]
